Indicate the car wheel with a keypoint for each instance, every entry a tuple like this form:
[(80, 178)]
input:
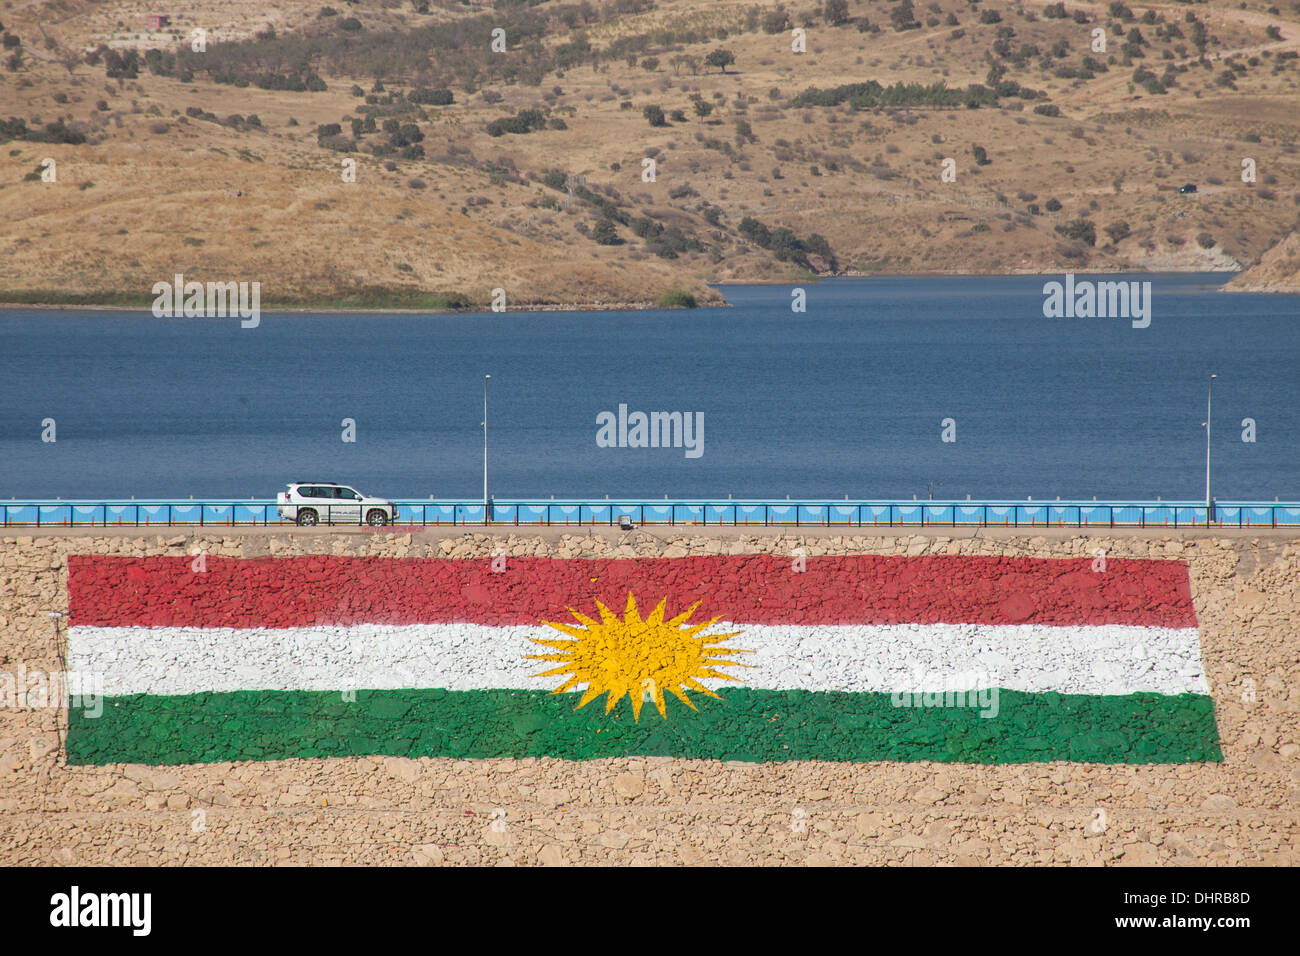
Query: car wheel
[(306, 516), (376, 518)]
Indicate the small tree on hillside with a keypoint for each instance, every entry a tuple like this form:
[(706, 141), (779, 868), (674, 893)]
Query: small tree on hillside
[(605, 233), (720, 58), (776, 21), (836, 12), (1080, 230)]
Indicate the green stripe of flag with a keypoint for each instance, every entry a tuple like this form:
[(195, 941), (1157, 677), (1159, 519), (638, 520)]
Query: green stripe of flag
[(746, 724)]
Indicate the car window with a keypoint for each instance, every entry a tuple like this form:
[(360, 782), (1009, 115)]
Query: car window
[(349, 494)]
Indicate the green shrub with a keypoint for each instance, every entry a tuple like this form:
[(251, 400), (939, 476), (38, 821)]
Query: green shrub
[(871, 95), (836, 12), (525, 121), (1080, 230), (605, 233), (677, 299), (777, 21), (431, 97)]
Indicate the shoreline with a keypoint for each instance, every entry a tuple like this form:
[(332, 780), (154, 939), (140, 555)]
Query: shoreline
[(1010, 273), (328, 308), (402, 310), (396, 310)]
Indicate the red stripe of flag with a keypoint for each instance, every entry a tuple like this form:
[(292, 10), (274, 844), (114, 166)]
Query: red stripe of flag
[(745, 589)]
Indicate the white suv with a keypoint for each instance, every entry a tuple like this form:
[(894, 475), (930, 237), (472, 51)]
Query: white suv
[(312, 502)]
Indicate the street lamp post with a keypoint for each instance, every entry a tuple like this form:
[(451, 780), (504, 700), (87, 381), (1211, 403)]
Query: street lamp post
[(484, 423), (1209, 398)]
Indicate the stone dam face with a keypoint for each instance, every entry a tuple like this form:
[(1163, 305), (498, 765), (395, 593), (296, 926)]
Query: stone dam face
[(874, 784)]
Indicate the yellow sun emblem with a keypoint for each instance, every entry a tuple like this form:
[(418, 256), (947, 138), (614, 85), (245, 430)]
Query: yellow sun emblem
[(637, 658)]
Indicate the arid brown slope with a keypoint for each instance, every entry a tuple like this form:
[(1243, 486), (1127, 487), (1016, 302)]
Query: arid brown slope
[(145, 216), (1277, 271), (868, 180)]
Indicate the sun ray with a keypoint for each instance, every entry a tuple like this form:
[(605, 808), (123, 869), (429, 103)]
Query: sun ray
[(571, 682), (606, 615), (569, 629), (579, 617), (659, 703), (657, 615), (553, 672), (719, 638), (692, 684), (677, 692), (685, 615), (640, 658), (591, 694), (718, 675)]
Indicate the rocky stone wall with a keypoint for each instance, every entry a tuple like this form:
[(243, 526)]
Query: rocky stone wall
[(1246, 592)]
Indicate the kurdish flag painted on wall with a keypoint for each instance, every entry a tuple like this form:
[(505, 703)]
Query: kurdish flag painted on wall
[(857, 658)]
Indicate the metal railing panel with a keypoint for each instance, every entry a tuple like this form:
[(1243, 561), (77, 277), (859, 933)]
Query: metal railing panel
[(1158, 514)]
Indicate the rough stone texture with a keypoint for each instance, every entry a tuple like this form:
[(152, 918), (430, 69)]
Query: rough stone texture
[(1246, 589)]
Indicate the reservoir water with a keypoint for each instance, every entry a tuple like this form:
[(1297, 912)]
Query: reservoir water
[(847, 398)]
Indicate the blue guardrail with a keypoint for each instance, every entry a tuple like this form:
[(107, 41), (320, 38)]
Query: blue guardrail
[(857, 514)]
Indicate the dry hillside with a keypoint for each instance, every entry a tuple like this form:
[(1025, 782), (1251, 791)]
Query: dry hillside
[(769, 164)]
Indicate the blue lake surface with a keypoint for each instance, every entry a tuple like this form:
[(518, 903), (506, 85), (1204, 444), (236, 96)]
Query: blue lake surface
[(844, 399)]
